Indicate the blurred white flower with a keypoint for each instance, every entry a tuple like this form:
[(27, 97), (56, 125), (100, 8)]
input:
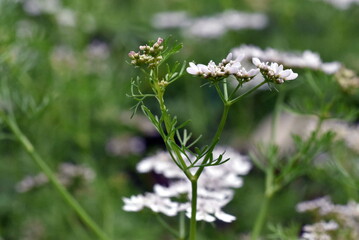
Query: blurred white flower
[(342, 217), (66, 17), (206, 27), (303, 125), (164, 20), (31, 182), (37, 7), (98, 50), (323, 205), (125, 145), (306, 59), (215, 186), (154, 202), (209, 26), (342, 4), (210, 209), (319, 231), (67, 174)]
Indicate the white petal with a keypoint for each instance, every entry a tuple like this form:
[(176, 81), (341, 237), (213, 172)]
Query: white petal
[(292, 76), (192, 65), (144, 166), (229, 57), (253, 72), (285, 73), (192, 71), (256, 62), (224, 216), (239, 57)]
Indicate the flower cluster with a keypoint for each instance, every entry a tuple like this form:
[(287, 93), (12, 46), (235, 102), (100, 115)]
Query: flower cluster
[(347, 79), (274, 72), (306, 59), (319, 231), (209, 26), (215, 187), (343, 219), (67, 174), (224, 69), (148, 55)]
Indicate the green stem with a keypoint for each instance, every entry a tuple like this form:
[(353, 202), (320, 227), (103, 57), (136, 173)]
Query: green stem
[(182, 226), (193, 224), (166, 225), (70, 200), (270, 190), (277, 110), (225, 90), (246, 93), (216, 136), (261, 217)]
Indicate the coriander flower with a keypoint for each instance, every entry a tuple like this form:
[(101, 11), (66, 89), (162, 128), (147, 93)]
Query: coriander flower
[(148, 55), (215, 187), (319, 231), (275, 72), (152, 201), (305, 59), (227, 67)]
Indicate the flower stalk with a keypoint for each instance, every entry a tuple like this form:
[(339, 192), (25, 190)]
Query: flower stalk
[(150, 58)]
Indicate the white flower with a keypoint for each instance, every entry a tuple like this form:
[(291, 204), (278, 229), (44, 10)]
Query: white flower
[(152, 201), (193, 69), (306, 59), (215, 186), (160, 163), (318, 231), (274, 71), (323, 205), (227, 67), (210, 209)]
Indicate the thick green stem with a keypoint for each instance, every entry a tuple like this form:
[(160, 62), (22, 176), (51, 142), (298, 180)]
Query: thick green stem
[(193, 224), (70, 200)]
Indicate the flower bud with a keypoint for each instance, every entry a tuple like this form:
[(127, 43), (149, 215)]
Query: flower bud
[(159, 41), (132, 54)]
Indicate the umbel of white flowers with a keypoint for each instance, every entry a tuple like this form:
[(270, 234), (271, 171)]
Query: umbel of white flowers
[(272, 72), (215, 187)]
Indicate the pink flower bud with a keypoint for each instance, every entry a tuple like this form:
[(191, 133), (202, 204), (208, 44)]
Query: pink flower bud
[(159, 41), (132, 54)]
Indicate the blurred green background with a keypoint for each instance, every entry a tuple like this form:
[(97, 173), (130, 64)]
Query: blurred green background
[(69, 78)]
